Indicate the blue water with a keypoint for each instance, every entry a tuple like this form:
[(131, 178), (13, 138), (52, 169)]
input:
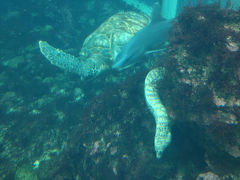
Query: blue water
[(53, 125)]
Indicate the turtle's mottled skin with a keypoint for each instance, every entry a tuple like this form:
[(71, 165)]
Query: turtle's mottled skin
[(99, 48), (97, 55)]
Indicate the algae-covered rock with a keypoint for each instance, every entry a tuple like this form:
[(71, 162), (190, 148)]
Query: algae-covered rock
[(14, 62), (25, 172), (202, 73)]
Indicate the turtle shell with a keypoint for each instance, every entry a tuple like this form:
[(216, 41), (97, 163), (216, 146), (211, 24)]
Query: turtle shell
[(103, 45)]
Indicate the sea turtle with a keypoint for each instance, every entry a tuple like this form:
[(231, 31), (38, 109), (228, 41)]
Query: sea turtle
[(101, 47), (98, 53)]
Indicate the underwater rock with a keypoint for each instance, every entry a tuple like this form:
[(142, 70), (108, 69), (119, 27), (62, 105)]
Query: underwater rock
[(25, 172), (14, 62), (12, 102), (202, 74), (44, 31), (78, 94), (208, 176)]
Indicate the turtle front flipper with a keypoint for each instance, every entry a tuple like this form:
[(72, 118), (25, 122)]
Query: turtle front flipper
[(69, 62)]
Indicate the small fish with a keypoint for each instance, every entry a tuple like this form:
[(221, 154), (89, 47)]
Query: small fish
[(154, 33)]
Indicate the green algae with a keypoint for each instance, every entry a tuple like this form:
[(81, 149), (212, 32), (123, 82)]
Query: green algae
[(25, 172), (14, 62)]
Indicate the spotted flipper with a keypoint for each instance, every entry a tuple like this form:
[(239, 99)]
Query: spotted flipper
[(69, 62)]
